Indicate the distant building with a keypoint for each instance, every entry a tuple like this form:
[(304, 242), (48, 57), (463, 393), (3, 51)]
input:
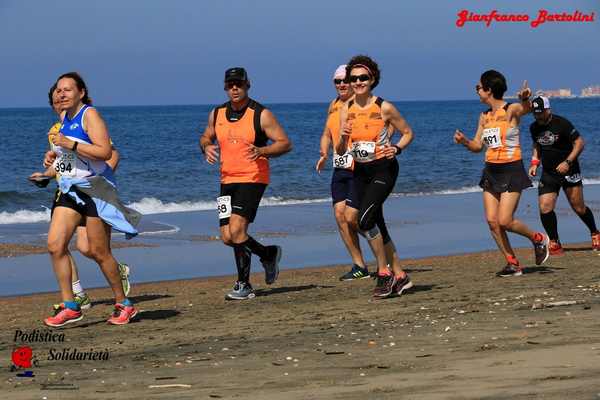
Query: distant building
[(591, 91), (557, 93)]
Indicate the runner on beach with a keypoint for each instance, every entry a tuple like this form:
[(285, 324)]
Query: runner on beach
[(368, 121), (557, 146), (83, 247), (504, 176), (237, 135), (87, 194), (342, 179)]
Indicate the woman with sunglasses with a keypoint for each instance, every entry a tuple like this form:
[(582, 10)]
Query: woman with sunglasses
[(504, 176), (368, 122), (342, 179), (86, 195)]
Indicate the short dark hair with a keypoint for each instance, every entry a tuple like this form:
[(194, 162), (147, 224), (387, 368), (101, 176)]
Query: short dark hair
[(51, 95), (80, 85), (495, 81), (369, 63)]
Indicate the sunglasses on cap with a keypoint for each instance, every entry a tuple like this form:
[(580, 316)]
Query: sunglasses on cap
[(231, 84), (340, 81), (361, 78)]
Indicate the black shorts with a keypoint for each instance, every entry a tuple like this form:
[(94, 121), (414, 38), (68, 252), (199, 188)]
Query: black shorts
[(87, 209), (245, 198), (342, 187), (373, 183), (505, 177), (552, 183)]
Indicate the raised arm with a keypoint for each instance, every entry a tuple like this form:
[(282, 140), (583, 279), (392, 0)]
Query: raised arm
[(517, 110)]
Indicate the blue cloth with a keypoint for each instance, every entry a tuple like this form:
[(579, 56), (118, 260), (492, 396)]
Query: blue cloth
[(102, 190)]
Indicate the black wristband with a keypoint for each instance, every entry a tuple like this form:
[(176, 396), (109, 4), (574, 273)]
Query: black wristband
[(74, 148), (569, 162), (202, 149), (399, 150)]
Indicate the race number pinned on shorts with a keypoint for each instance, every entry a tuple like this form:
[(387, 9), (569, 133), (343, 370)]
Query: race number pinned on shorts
[(224, 206), (343, 161), (491, 138), (575, 178), (363, 151), (65, 164)]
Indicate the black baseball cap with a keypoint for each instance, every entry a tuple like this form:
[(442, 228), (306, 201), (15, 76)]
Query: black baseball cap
[(236, 74), (539, 104)]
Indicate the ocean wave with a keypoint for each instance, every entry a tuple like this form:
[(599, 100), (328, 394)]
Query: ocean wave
[(24, 217), (151, 205)]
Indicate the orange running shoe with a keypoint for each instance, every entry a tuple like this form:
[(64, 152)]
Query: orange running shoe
[(555, 248), (62, 316), (122, 314), (596, 241)]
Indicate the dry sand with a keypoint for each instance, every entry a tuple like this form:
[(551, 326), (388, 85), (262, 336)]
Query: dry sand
[(461, 333)]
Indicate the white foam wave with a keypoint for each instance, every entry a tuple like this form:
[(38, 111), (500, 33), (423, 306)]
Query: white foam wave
[(24, 217), (150, 205)]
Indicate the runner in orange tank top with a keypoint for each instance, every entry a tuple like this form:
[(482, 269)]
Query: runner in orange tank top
[(242, 129), (504, 175), (342, 180), (368, 122)]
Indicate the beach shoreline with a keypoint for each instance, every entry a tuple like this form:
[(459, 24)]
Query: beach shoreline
[(460, 333)]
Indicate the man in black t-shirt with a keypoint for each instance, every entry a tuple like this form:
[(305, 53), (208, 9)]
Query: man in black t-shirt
[(557, 144)]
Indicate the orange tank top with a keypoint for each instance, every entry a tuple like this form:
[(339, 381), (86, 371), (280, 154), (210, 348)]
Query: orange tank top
[(501, 140), (370, 134), (343, 161), (236, 130)]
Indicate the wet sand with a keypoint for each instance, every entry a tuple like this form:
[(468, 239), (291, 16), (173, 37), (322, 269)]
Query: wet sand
[(460, 333)]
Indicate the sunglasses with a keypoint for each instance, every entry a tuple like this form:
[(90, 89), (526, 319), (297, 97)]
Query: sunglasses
[(340, 81), (361, 78), (478, 88), (231, 84)]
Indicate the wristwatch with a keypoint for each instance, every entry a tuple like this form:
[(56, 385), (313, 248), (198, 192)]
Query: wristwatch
[(399, 149), (569, 162)]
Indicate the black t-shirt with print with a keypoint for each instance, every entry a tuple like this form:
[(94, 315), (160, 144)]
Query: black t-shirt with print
[(556, 142)]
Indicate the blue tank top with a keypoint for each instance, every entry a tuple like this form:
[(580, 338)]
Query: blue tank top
[(73, 128), (70, 164)]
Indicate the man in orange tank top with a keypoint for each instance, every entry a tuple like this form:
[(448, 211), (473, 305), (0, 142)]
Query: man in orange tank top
[(242, 129), (504, 176)]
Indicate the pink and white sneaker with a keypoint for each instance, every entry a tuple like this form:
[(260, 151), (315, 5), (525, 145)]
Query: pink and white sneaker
[(122, 314), (63, 316)]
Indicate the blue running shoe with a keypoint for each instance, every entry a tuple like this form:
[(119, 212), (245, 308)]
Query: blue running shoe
[(356, 272)]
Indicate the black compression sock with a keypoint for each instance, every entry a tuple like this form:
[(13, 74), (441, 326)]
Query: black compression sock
[(256, 247), (588, 219), (550, 224), (242, 262)]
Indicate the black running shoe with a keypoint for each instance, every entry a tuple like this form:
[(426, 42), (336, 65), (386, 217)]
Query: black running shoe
[(385, 285), (510, 270), (356, 272), (402, 285), (541, 250), (271, 264)]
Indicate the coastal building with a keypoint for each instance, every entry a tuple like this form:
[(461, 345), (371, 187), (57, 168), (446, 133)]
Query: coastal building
[(591, 91)]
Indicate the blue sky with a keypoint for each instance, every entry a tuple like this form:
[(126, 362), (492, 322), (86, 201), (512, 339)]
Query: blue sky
[(139, 52)]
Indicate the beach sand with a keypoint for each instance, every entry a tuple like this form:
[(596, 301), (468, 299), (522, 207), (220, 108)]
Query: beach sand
[(460, 333)]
